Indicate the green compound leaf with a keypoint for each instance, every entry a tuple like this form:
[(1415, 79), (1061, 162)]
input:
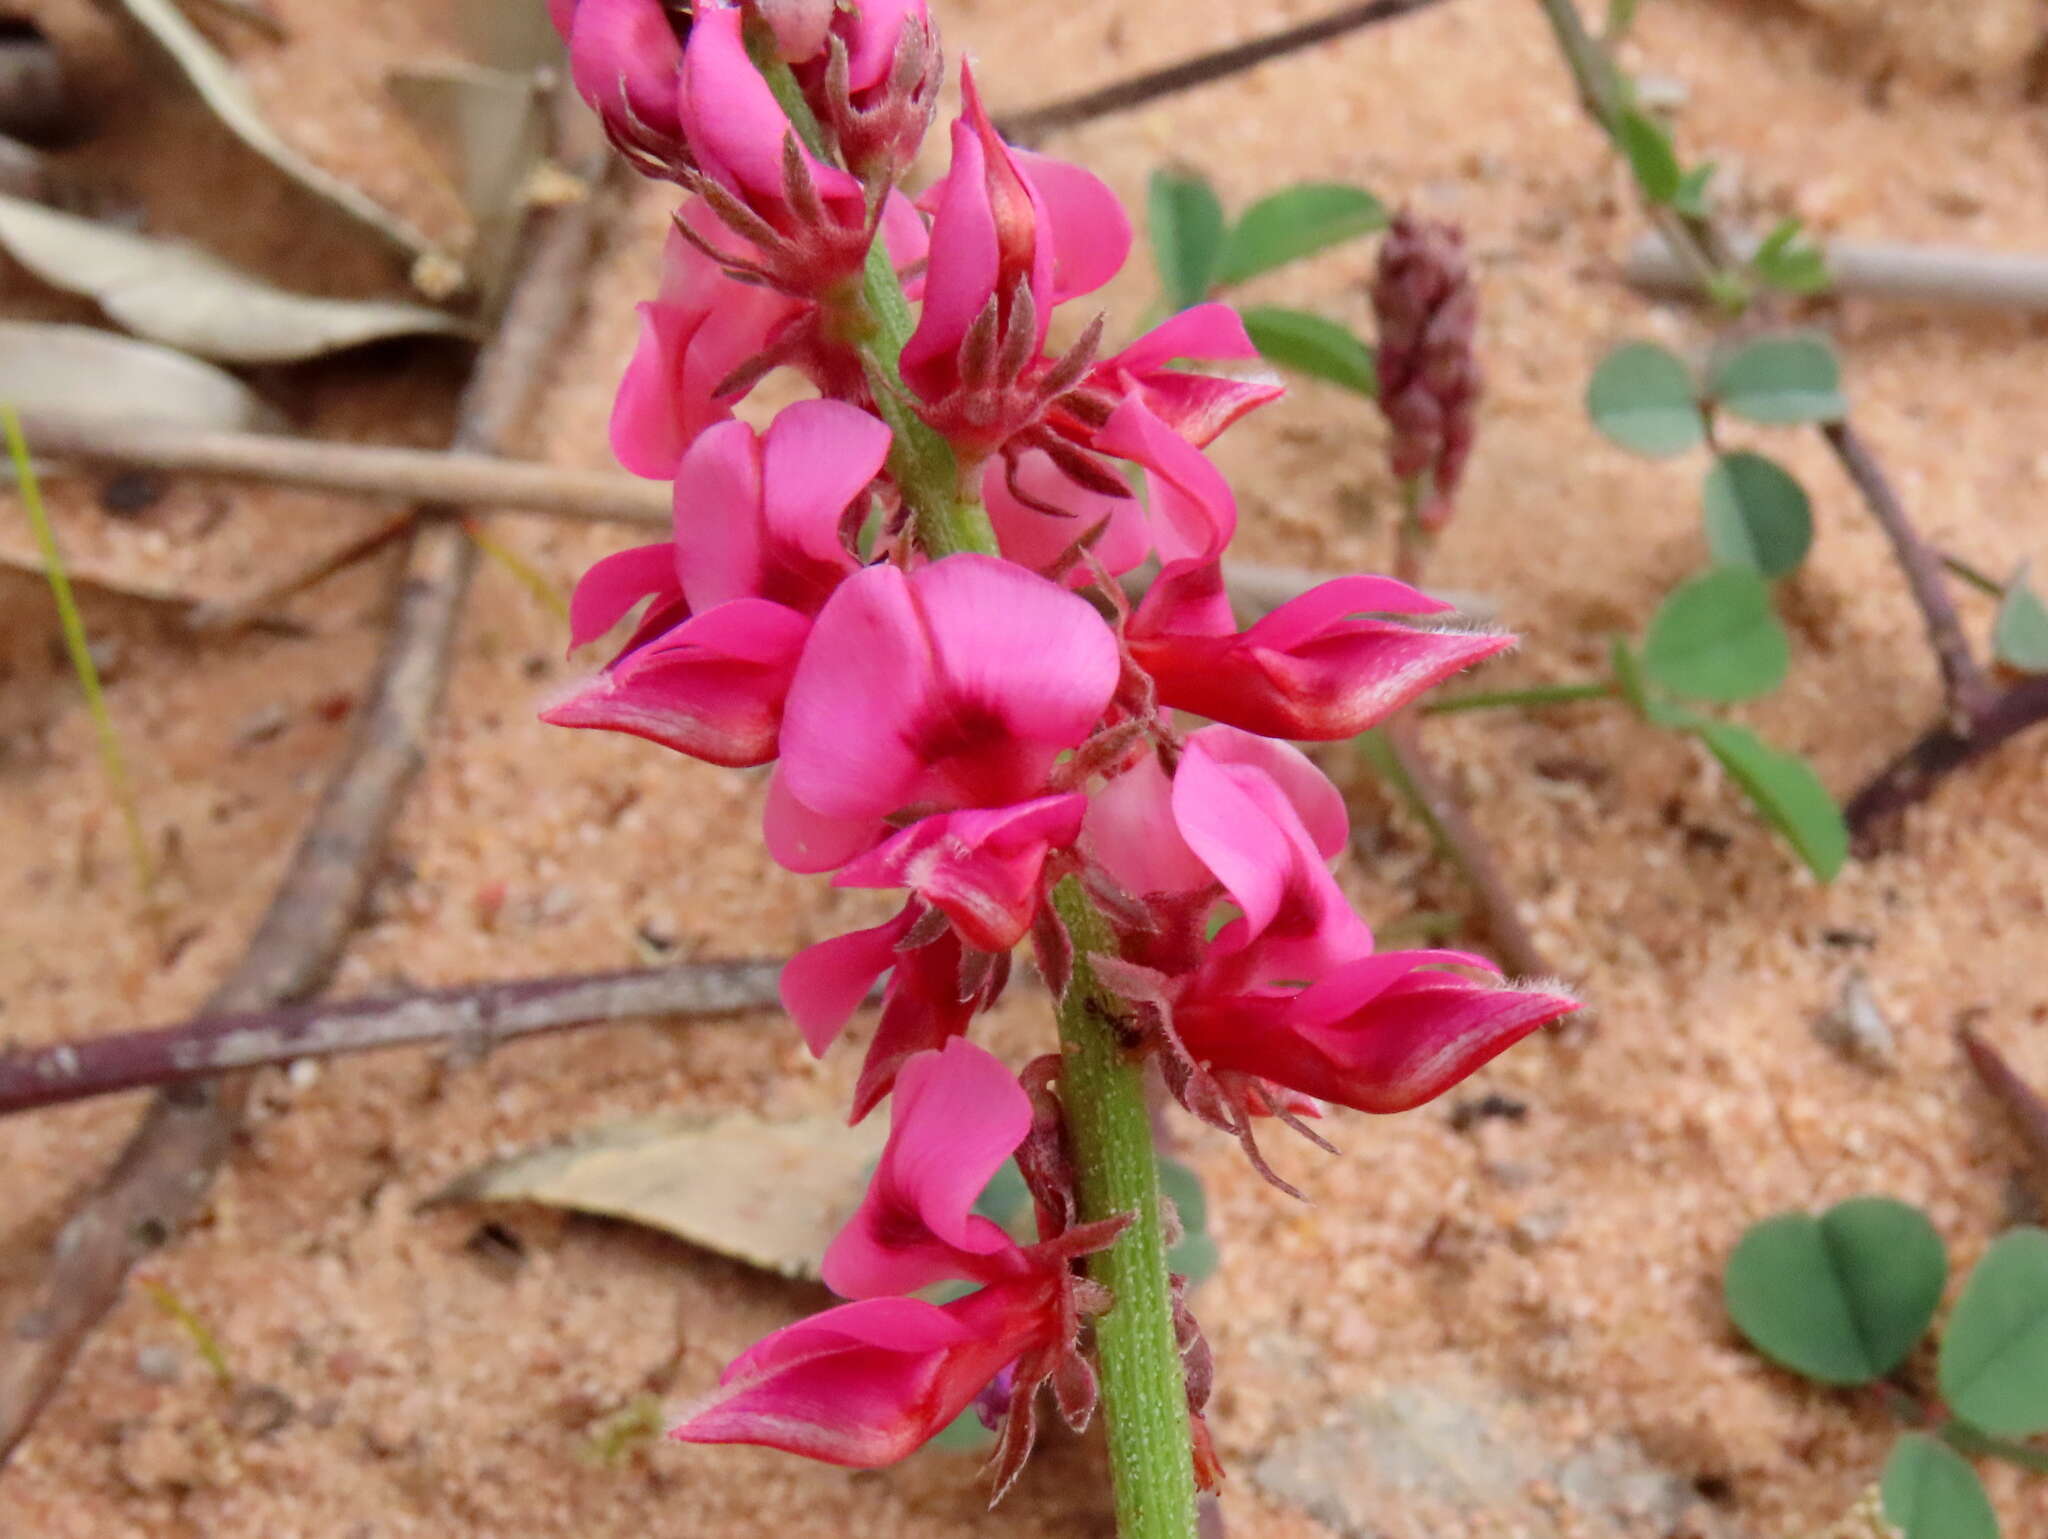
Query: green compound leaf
[(1297, 222), (1186, 222), (1787, 792), (1650, 155), (1930, 1492), (1693, 198), (1643, 398), (1757, 515), (1785, 262), (2019, 637), (1781, 380), (1841, 1298), (1715, 638), (1310, 345), (1994, 1355)]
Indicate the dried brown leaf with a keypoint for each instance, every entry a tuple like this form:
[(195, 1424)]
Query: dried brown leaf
[(81, 371), (492, 124), (191, 300), (771, 1194)]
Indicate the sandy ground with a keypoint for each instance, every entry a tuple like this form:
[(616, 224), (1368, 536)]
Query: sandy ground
[(435, 1390)]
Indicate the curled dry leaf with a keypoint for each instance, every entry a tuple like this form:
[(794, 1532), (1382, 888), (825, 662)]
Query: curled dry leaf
[(81, 371), (177, 294), (492, 124), (223, 90), (771, 1194)]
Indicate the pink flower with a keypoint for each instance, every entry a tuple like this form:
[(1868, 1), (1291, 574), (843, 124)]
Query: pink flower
[(625, 61), (981, 869), (954, 686), (758, 549), (1198, 407), (1013, 235), (1317, 667), (866, 1383), (693, 338), (1379, 1034), (936, 986)]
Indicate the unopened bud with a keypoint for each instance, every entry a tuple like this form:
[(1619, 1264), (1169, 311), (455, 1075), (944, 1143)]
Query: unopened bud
[(1427, 307)]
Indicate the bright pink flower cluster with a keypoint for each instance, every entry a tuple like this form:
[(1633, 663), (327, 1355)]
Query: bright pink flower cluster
[(970, 729)]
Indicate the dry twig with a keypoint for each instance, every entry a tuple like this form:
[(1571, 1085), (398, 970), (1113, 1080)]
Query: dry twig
[(2022, 1103), (164, 1172), (1034, 123), (486, 1013)]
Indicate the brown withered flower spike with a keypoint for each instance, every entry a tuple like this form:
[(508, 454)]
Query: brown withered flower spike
[(1427, 308)]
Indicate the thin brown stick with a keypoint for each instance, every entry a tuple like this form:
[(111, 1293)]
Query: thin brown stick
[(2022, 1103), (409, 475), (1499, 914), (1034, 123), (483, 1013), (163, 1174), (1967, 693), (1940, 752)]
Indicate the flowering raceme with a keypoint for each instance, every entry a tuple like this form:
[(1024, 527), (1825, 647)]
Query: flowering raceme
[(962, 707)]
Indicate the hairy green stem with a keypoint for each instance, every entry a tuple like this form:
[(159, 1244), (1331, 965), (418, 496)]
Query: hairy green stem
[(75, 643), (1541, 694), (1966, 1439), (1110, 1132)]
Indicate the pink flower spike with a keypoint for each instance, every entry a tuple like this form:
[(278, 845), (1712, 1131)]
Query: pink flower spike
[(823, 985), (711, 688), (868, 1383), (1384, 1035), (955, 1116), (1316, 668), (957, 685), (1193, 512), (981, 869)]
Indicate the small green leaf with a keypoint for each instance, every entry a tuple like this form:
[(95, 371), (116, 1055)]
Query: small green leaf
[(1994, 1355), (1643, 398), (1841, 1298), (1785, 262), (1758, 516), (964, 1434), (1195, 1257), (1715, 638), (1310, 345), (2019, 638), (1930, 1492), (1186, 223), (1786, 791), (1691, 199), (1650, 155), (1778, 380), (1297, 222)]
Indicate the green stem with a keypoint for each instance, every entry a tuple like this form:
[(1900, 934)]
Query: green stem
[(1976, 577), (1541, 694), (1110, 1131), (1966, 1439), (75, 643)]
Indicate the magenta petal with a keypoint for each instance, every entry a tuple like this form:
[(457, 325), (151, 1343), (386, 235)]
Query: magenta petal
[(1314, 612), (735, 127), (645, 434), (711, 688), (1036, 539), (1193, 511), (718, 516), (1090, 232), (824, 984), (904, 233), (955, 1116), (801, 839), (817, 456), (960, 276), (1130, 832), (1201, 331), (1187, 598), (1019, 647), (871, 46), (614, 584), (980, 868), (1223, 822), (1318, 804), (849, 740), (865, 1384)]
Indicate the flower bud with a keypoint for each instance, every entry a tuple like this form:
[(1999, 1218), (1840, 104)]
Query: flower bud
[(1427, 307)]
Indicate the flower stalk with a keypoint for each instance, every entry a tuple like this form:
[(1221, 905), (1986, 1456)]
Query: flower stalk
[(1110, 1135)]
